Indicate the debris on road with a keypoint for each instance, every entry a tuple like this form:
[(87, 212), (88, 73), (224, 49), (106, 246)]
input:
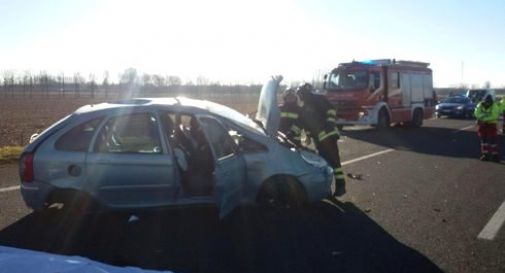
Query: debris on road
[(437, 210), (367, 210), (355, 176), (336, 253), (133, 218)]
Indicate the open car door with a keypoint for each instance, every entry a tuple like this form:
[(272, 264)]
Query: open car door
[(230, 168)]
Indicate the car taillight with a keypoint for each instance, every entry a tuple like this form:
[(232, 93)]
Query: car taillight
[(26, 168)]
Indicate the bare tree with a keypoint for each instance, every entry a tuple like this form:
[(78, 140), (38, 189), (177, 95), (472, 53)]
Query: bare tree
[(158, 81), (129, 76), (78, 80), (105, 83), (44, 82), (202, 81), (174, 81), (8, 81), (26, 82), (92, 84), (147, 79), (129, 81)]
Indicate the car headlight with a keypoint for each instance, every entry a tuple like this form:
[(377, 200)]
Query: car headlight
[(313, 159)]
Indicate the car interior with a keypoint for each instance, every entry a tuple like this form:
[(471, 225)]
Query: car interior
[(192, 152)]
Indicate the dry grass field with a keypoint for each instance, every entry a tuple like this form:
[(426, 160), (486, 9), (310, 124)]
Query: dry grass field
[(21, 116)]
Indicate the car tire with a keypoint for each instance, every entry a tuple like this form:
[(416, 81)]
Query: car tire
[(282, 192)]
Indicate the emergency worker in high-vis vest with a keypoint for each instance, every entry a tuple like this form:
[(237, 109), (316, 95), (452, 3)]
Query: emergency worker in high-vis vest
[(487, 114)]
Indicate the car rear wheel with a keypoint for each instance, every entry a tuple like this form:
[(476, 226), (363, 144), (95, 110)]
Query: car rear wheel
[(282, 192)]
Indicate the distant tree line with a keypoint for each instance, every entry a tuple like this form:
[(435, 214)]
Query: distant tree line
[(129, 83)]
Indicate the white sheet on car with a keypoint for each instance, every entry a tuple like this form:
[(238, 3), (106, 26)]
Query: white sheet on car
[(14, 260)]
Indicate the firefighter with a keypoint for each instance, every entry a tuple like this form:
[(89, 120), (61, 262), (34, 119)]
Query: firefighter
[(290, 116), (487, 113), (319, 123)]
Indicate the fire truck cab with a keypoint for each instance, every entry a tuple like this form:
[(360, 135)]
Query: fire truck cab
[(381, 92)]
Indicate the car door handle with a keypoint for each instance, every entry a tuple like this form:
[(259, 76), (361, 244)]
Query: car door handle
[(74, 170)]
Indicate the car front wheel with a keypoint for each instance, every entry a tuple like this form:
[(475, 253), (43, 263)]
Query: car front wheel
[(282, 192)]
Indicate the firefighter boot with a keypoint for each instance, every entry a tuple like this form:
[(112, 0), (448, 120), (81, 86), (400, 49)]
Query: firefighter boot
[(339, 187)]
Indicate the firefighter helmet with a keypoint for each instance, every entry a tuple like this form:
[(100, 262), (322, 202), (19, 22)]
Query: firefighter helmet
[(304, 90), (289, 95)]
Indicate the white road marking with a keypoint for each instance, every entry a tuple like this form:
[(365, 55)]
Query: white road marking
[(13, 188), (464, 128), (490, 231), (331, 203), (366, 157)]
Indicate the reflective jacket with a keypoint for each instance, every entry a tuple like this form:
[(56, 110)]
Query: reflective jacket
[(488, 115), (290, 123), (319, 118)]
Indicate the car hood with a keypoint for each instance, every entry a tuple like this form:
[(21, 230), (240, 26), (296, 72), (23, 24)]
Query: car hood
[(268, 113)]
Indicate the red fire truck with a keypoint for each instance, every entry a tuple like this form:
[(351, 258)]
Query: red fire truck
[(381, 92)]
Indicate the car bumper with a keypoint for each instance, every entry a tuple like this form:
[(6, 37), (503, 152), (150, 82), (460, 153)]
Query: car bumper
[(35, 194), (318, 185), (443, 112)]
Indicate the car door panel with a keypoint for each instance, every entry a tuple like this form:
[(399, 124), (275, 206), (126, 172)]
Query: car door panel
[(230, 168), (129, 165)]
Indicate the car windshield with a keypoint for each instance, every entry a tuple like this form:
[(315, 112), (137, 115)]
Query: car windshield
[(456, 100), (477, 95), (228, 113), (343, 79)]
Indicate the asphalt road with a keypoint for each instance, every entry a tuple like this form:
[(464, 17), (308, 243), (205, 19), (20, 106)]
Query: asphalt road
[(418, 203)]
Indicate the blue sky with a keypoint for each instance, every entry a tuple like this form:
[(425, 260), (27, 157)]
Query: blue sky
[(245, 41)]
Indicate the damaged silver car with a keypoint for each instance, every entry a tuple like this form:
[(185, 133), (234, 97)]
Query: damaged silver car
[(171, 152)]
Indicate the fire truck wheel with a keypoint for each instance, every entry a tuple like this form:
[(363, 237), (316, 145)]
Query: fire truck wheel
[(417, 119), (383, 120)]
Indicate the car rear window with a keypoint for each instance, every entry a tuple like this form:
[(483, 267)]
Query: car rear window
[(79, 137)]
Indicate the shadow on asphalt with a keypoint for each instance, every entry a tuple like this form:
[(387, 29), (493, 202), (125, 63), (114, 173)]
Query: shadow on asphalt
[(426, 140), (320, 238)]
